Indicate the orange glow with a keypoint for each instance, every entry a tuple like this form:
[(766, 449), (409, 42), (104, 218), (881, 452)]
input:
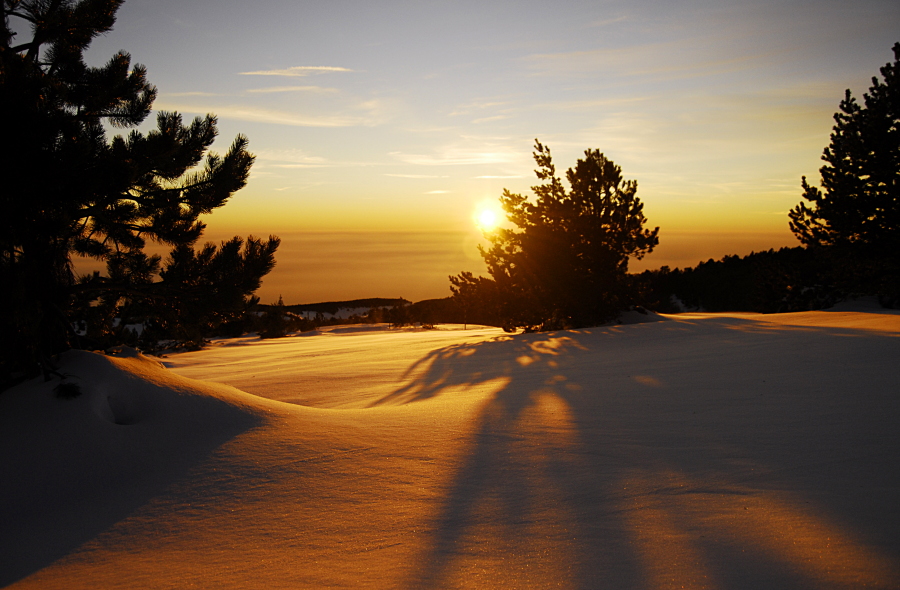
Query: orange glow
[(675, 519), (487, 217)]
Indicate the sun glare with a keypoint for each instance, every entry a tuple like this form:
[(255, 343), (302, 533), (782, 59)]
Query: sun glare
[(487, 219)]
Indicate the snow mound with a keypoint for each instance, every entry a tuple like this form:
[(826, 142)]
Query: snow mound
[(72, 467), (639, 315)]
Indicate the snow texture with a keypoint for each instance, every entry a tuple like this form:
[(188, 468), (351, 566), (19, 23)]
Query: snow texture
[(703, 451)]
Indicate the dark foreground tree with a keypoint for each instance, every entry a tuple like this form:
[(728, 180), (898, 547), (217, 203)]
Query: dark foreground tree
[(856, 218), (565, 264), (69, 190), (199, 292)]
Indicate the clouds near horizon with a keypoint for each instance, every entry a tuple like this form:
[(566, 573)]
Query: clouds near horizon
[(296, 71)]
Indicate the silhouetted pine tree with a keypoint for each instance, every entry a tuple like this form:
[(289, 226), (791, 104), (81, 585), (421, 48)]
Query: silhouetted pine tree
[(565, 264), (478, 301), (69, 190), (857, 216), (273, 323), (201, 290), (398, 316)]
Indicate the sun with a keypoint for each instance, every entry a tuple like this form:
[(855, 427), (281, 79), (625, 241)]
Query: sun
[(487, 219)]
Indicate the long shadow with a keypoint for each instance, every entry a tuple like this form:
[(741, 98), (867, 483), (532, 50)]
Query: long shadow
[(61, 488), (440, 371), (503, 466), (662, 420)]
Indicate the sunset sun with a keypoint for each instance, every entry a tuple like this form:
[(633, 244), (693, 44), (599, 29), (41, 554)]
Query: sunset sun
[(487, 219)]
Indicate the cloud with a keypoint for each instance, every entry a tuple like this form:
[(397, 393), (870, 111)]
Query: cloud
[(417, 176), (297, 71), (195, 93), (674, 60), (467, 109), (437, 192), (316, 89), (264, 115), (489, 119), (489, 176), (299, 159), (608, 21), (588, 104), (293, 158), (301, 166), (462, 155)]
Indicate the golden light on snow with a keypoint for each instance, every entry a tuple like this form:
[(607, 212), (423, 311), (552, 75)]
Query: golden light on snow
[(454, 458), (675, 527)]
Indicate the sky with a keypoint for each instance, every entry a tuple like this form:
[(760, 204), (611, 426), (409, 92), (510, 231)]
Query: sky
[(381, 127)]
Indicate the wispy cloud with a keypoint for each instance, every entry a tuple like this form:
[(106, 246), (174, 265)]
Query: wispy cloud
[(673, 60), (264, 115), (417, 176), (461, 155), (489, 119), (273, 89), (437, 192), (466, 109), (589, 104), (290, 158), (287, 159), (494, 176), (300, 166), (183, 94), (297, 71), (608, 21)]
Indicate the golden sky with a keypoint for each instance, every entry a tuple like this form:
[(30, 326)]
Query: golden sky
[(382, 117)]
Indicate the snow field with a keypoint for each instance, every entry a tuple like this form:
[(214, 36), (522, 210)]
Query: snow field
[(705, 451)]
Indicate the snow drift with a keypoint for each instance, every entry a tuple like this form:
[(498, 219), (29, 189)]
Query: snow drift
[(706, 451), (73, 467)]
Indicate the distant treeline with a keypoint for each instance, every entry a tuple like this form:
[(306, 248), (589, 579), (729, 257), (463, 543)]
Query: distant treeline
[(333, 307), (773, 281), (277, 320)]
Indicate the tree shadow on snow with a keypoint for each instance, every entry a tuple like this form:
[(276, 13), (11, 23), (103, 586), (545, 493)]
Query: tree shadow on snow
[(718, 452)]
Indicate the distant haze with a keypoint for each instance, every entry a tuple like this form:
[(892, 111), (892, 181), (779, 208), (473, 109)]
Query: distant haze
[(415, 265), (338, 266)]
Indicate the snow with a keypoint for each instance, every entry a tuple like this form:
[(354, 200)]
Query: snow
[(703, 451)]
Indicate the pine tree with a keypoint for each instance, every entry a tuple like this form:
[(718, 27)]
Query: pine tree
[(203, 289), (565, 264), (477, 301), (857, 215), (273, 323), (70, 190)]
